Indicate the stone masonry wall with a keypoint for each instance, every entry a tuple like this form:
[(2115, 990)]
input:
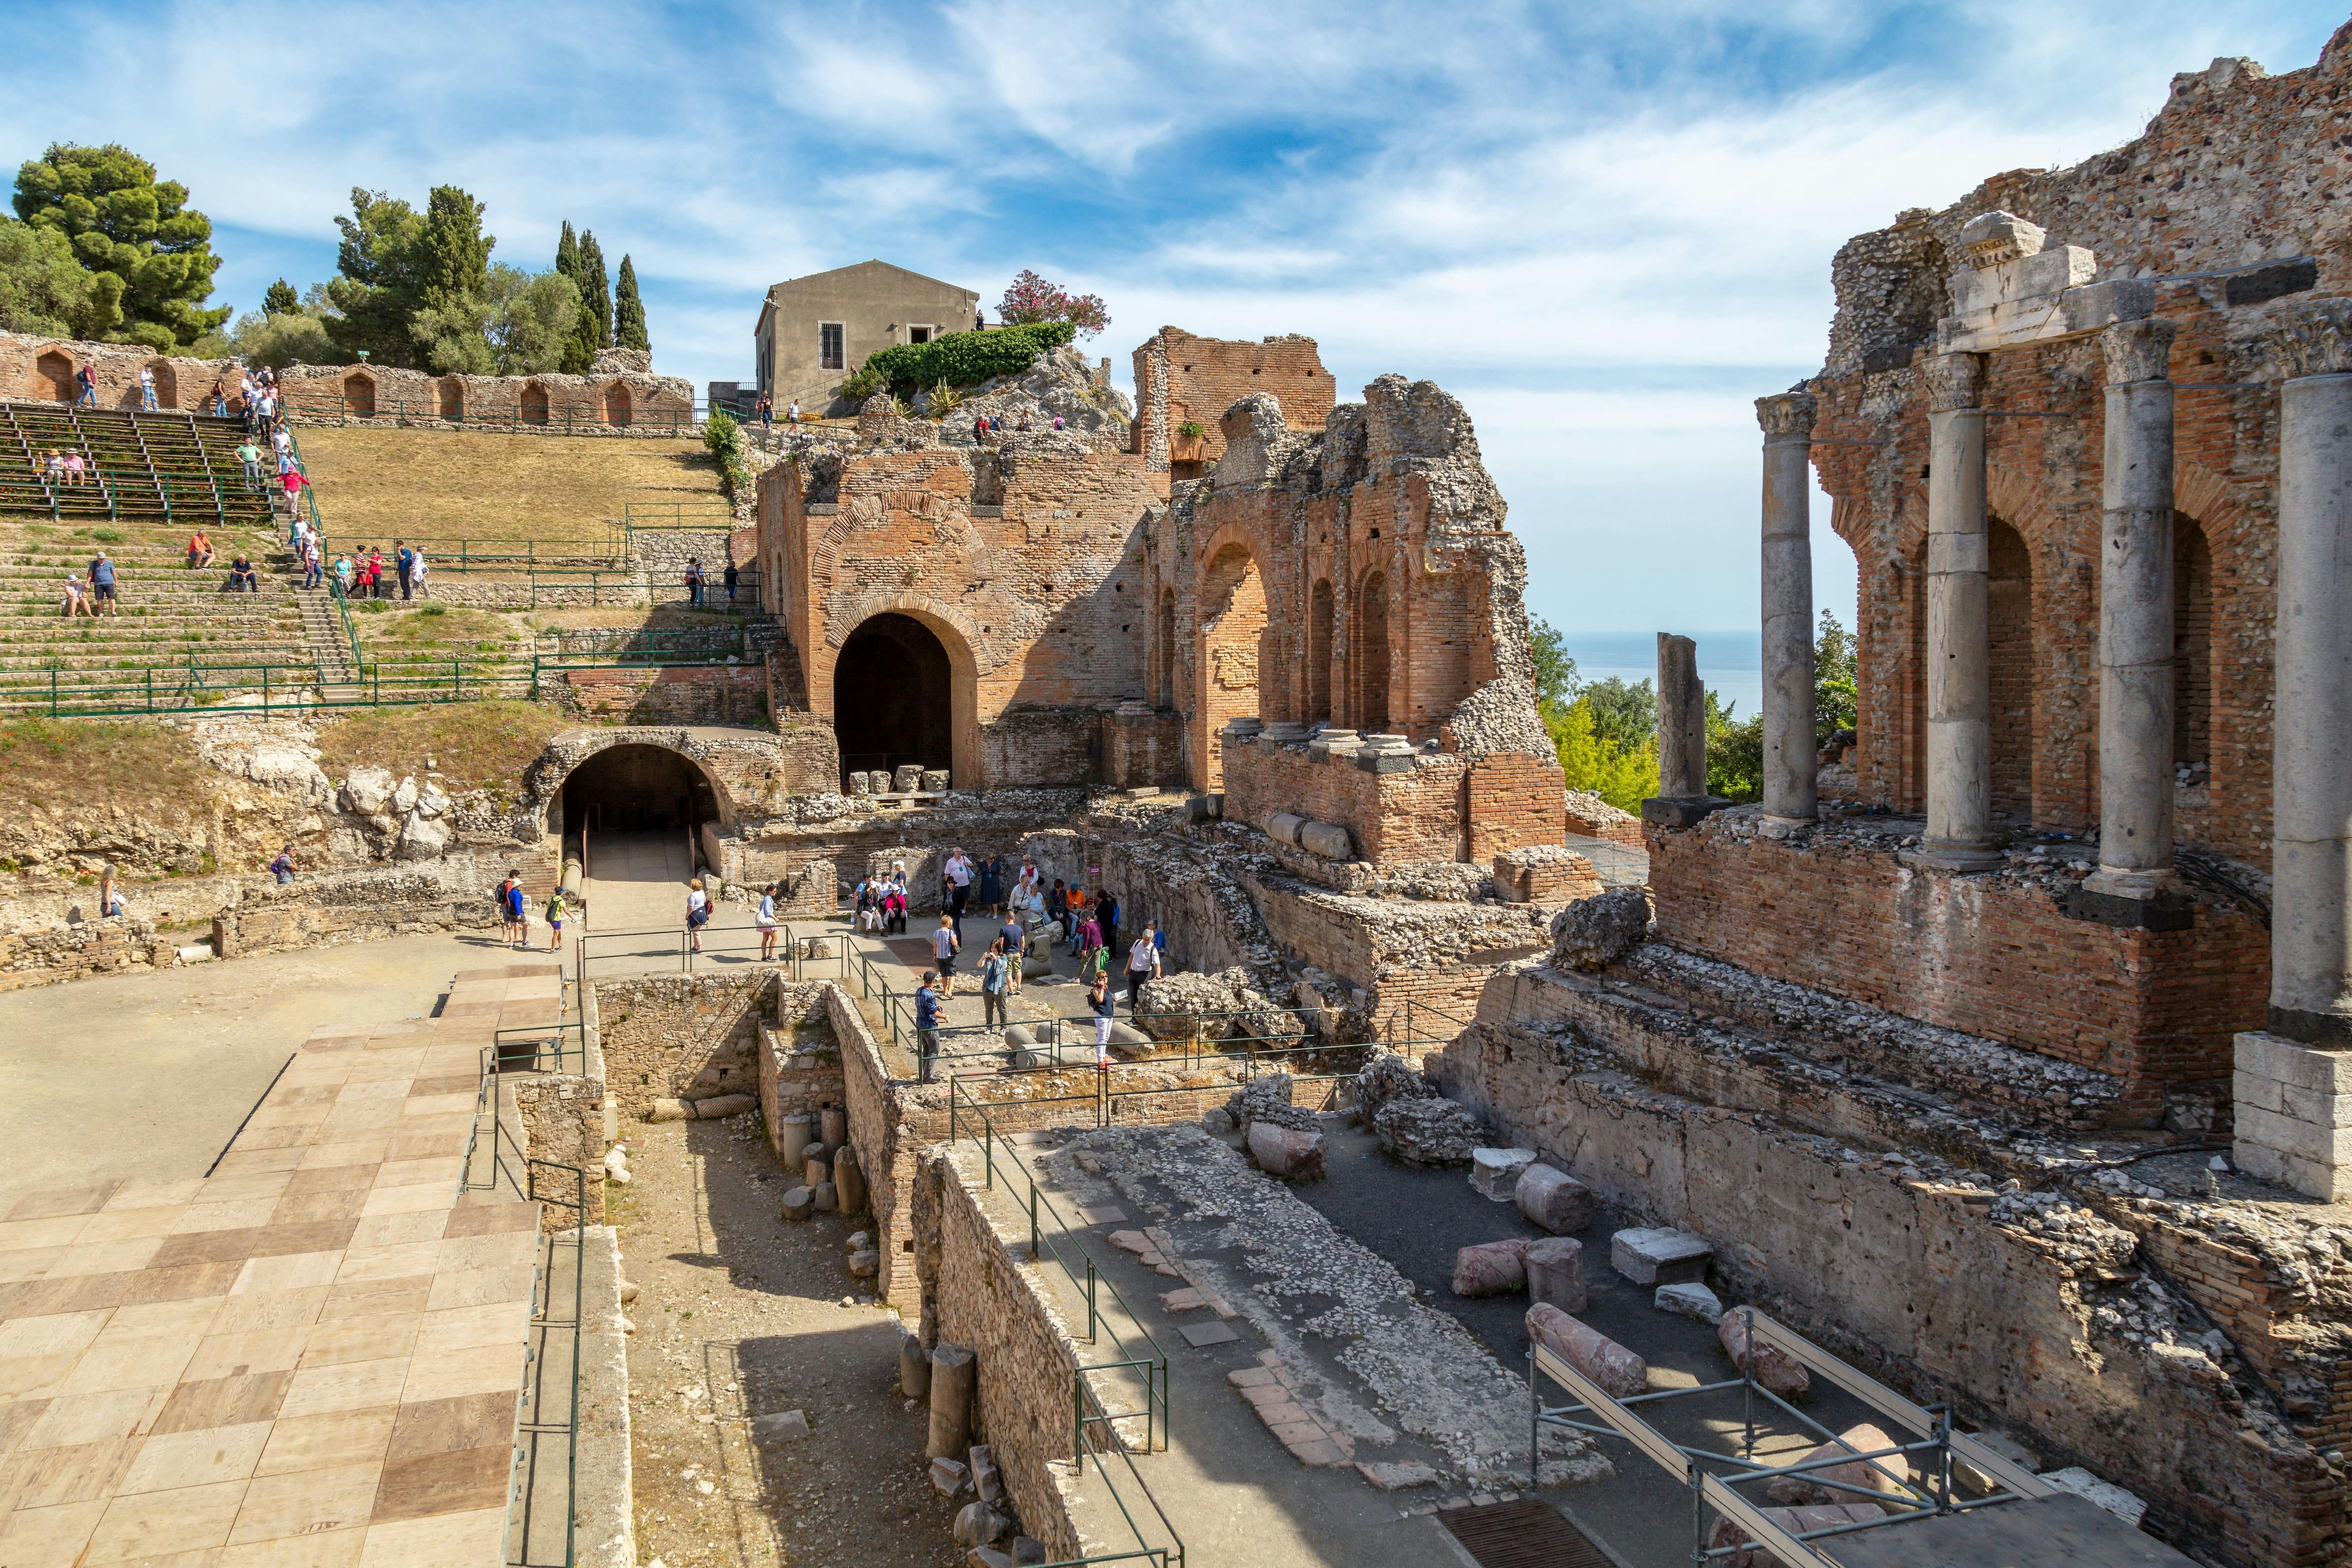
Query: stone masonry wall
[(1912, 1277), (688, 1037), (687, 694), (1181, 379), (1992, 955)]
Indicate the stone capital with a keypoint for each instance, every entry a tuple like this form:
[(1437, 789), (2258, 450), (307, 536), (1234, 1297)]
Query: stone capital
[(2136, 351), (1993, 237), (1955, 380), (2314, 338), (1787, 415)]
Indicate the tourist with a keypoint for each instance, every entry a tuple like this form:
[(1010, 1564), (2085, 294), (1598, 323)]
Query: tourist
[(556, 910), (868, 903), (944, 944), (109, 896), (416, 570), (55, 469), (312, 561), (78, 472), (400, 563), (1142, 964), (1098, 999), (694, 582), (1094, 957), (1057, 422), (1057, 911), (76, 601), (220, 399), (102, 585), (927, 1022), (147, 388), (994, 984), (87, 378), (283, 867), (250, 455), (1015, 943), (344, 575), (281, 443), (958, 876), (1077, 920), (767, 411), (200, 550), (766, 920), (894, 910), (697, 912), (1107, 917), (510, 908), (978, 431), (992, 886), (732, 578), (375, 589), (242, 577), (293, 480), (793, 414)]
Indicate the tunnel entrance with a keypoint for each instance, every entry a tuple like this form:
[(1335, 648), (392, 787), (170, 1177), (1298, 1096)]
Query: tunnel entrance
[(637, 789), (892, 699)]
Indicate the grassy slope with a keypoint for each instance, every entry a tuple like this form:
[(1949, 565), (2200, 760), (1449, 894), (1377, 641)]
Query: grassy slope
[(473, 745), (380, 483), (81, 763)]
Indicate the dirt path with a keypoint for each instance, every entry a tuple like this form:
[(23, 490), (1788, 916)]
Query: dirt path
[(739, 1315)]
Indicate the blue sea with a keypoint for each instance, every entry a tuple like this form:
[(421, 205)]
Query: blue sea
[(1731, 662)]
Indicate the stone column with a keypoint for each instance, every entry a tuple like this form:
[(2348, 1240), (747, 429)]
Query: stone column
[(1789, 749), (2294, 1083), (1682, 799), (1959, 673), (2135, 617)]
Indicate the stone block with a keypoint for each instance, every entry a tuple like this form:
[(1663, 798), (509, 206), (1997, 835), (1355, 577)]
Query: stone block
[(849, 1181), (799, 1202), (1774, 1369), (1495, 1173), (908, 779), (978, 1524), (2317, 1107), (1689, 1301), (1555, 1272), (773, 1432), (828, 1198), (1689, 813), (1621, 1373), (986, 1478), (859, 786), (1554, 1199), (935, 780), (1491, 1268), (1877, 1476), (2294, 1135), (719, 1105), (1659, 1256), (2261, 1093), (1287, 1152), (2303, 1067), (949, 1476)]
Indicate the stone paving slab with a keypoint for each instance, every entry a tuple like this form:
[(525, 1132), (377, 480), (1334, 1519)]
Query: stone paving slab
[(312, 1356)]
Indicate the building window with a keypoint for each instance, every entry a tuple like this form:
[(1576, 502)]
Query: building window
[(920, 334), (829, 356)]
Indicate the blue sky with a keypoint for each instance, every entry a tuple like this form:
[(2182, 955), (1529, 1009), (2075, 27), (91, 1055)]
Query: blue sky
[(1606, 228)]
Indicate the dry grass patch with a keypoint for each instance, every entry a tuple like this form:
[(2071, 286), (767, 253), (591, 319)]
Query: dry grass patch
[(81, 763), (379, 484), (436, 628), (472, 745)]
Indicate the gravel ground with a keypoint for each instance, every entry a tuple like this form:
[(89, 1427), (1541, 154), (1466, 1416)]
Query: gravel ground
[(739, 1315)]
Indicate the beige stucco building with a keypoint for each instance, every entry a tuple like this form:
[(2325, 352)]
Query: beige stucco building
[(814, 331)]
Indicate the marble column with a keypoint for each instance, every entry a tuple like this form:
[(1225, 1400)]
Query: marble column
[(2294, 1079), (1790, 748), (2135, 699), (1959, 835), (1682, 799)]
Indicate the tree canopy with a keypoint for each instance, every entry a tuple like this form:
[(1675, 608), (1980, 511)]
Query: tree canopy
[(45, 289), (1030, 299), (123, 224)]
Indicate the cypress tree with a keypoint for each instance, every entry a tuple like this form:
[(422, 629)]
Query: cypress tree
[(595, 291), (629, 311), (567, 253)]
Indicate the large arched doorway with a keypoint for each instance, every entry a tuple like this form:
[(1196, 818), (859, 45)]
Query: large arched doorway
[(637, 789), (893, 697), (1233, 621)]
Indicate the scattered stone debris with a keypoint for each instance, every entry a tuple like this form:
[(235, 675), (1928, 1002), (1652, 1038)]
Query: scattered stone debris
[(1592, 933)]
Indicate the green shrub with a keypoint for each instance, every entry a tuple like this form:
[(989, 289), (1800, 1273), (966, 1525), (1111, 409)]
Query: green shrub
[(945, 400), (107, 536), (724, 441), (1191, 429), (863, 383), (963, 359)]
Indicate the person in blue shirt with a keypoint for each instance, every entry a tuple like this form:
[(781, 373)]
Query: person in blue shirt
[(927, 1021)]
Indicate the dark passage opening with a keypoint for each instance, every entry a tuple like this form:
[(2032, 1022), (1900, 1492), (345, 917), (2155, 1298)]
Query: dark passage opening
[(631, 789), (891, 703)]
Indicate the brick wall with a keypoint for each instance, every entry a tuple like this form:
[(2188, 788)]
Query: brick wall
[(1180, 377), (1510, 802), (688, 1037), (697, 694), (1991, 954), (2227, 170), (1418, 814)]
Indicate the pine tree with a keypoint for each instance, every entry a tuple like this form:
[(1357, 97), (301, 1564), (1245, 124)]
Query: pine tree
[(595, 291), (125, 223), (280, 299), (629, 311), (453, 254)]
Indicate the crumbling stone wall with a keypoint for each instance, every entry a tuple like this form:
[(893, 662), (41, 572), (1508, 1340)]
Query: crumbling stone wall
[(684, 694), (609, 403), (1928, 1278), (2227, 180), (1181, 379), (38, 368), (1995, 954), (690, 1037), (1023, 562)]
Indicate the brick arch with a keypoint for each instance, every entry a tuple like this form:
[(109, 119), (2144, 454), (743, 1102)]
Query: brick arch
[(1233, 613), (53, 377), (964, 649), (665, 740), (167, 382), (2241, 554), (359, 394)]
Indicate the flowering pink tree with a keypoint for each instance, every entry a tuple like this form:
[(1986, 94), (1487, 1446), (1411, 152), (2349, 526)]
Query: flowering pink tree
[(1033, 298)]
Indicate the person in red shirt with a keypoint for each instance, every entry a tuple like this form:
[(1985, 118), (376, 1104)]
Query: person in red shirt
[(374, 571)]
